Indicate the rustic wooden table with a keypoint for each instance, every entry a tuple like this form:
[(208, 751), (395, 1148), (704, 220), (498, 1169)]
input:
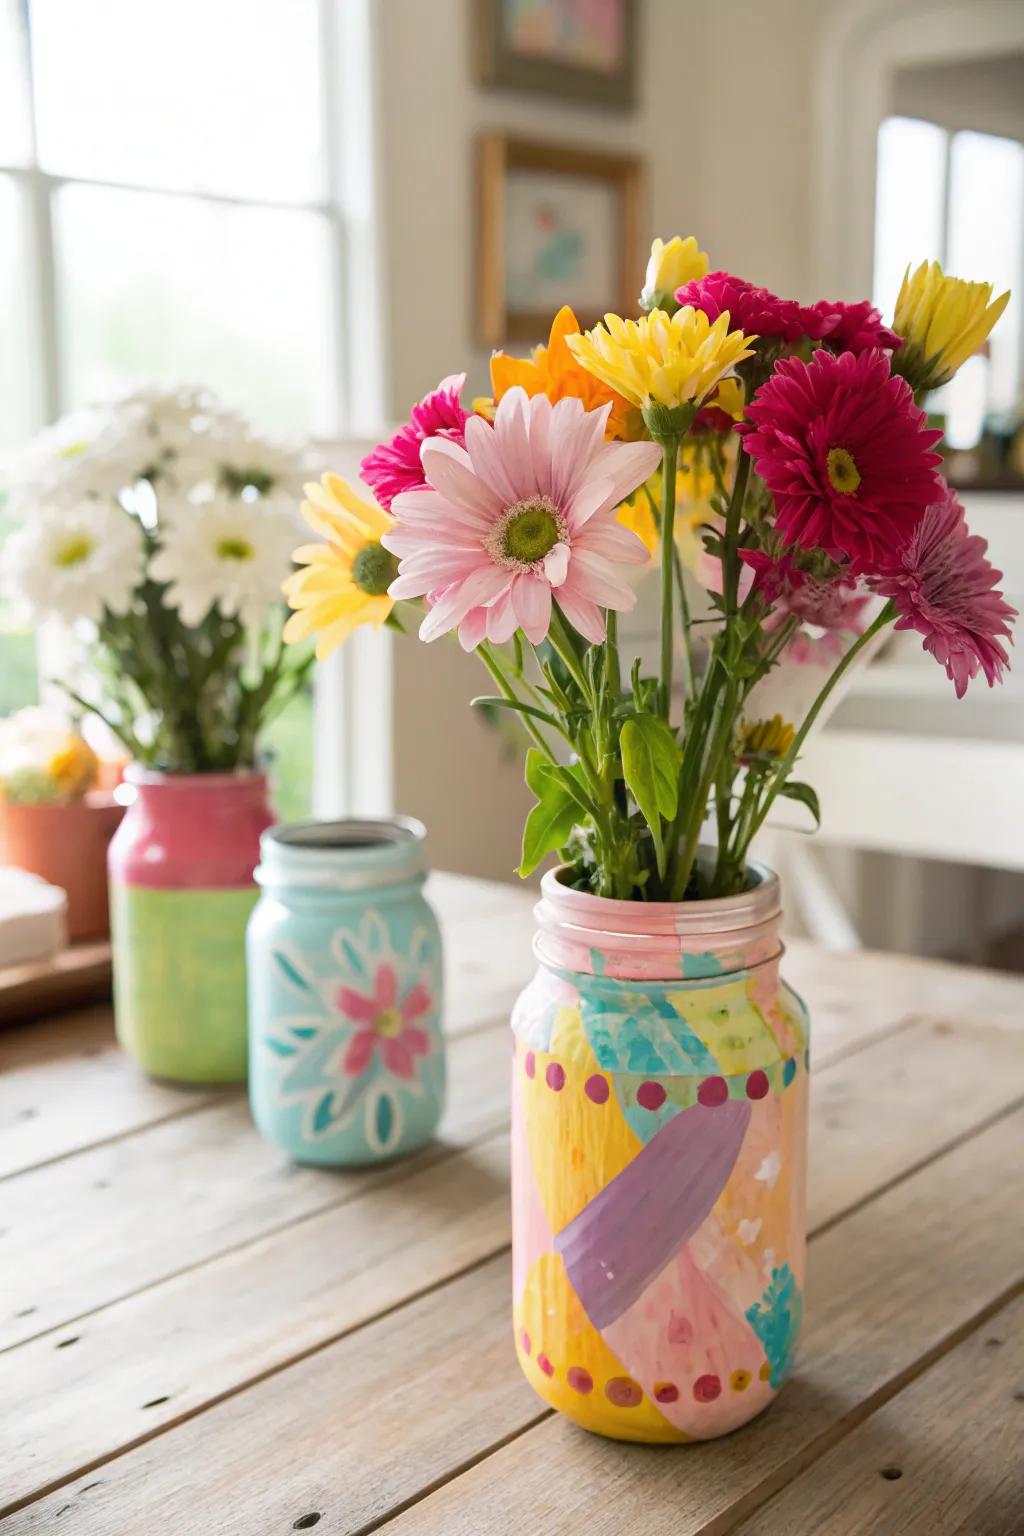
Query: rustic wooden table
[(200, 1339)]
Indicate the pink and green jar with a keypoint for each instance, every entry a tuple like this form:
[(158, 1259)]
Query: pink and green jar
[(659, 1126), (181, 891)]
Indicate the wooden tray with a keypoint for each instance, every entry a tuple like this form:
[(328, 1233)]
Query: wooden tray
[(79, 976)]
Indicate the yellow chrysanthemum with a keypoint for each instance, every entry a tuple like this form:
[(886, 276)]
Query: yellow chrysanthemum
[(345, 581), (660, 359), (74, 768), (668, 268), (553, 371), (943, 321), (766, 738), (729, 398)]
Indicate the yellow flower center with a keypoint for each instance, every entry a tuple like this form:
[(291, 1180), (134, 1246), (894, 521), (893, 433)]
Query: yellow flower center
[(842, 471), (234, 549), (374, 569), (388, 1023), (73, 550), (526, 532)]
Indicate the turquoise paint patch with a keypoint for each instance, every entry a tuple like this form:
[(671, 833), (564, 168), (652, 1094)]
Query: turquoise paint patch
[(697, 967), (776, 1320)]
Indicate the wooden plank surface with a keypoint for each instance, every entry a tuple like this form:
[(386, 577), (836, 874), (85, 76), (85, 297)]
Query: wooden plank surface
[(201, 1340), (873, 1315), (79, 1234), (944, 1458)]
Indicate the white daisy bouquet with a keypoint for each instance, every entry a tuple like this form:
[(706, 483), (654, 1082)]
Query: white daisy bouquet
[(779, 449), (158, 531)]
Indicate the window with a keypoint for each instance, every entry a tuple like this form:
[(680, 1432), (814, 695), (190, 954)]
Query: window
[(171, 210), (958, 198)]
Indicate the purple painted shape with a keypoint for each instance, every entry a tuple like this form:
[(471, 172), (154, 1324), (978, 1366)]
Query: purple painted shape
[(626, 1235)]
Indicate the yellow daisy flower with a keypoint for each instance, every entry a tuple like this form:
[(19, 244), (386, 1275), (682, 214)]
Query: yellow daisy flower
[(665, 360), (345, 581), (943, 321), (74, 768), (766, 738)]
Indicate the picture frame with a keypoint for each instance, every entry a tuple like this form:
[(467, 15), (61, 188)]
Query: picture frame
[(557, 224), (581, 51)]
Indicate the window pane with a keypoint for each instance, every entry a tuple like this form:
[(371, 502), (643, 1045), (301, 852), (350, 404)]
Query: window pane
[(200, 95), (17, 373), (986, 244), (288, 743), (909, 196), (19, 684), (15, 130), (170, 289)]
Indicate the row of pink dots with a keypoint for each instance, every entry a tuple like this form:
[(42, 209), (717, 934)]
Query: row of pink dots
[(651, 1095)]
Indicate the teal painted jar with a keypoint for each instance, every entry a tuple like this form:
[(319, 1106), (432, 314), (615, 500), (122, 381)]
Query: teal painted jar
[(346, 1051)]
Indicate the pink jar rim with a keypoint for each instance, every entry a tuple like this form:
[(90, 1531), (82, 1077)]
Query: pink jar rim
[(143, 778), (658, 940)]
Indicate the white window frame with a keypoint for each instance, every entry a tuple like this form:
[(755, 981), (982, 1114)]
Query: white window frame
[(352, 693)]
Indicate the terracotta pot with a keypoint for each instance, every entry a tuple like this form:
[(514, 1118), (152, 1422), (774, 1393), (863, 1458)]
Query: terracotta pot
[(181, 891), (66, 845)]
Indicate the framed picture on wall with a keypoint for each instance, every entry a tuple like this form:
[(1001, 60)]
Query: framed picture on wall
[(556, 225), (580, 50)]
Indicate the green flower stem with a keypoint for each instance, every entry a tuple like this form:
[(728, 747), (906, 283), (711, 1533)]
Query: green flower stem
[(562, 641), (612, 671), (494, 667), (669, 456), (684, 601), (784, 769), (730, 550)]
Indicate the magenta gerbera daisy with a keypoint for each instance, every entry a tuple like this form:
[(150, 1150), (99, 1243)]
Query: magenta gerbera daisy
[(845, 453), (395, 467), (522, 513), (945, 588), (756, 311), (849, 327)]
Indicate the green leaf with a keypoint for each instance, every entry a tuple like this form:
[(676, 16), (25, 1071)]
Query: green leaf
[(791, 790), (651, 759), (550, 822), (536, 762), (495, 701)]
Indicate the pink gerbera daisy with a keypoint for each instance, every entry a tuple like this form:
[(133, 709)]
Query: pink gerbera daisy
[(753, 310), (845, 453), (395, 466), (944, 587), (849, 327), (523, 512), (385, 1024)]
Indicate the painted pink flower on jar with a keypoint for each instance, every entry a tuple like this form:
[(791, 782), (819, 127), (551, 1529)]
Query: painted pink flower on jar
[(387, 1025)]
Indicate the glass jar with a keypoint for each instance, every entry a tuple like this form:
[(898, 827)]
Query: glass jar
[(659, 1124), (181, 890), (346, 1053)]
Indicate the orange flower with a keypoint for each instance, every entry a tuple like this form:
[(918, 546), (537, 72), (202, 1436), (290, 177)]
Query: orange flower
[(553, 371)]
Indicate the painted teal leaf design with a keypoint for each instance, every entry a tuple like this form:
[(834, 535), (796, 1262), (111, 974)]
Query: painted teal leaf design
[(776, 1320), (280, 1047), (323, 1115), (352, 954), (385, 1116), (304, 1031), (291, 972)]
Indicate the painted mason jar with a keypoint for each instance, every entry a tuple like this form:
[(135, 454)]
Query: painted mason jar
[(346, 1054), (659, 1128), (181, 891)]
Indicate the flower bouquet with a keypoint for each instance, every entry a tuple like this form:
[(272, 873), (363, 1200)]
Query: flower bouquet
[(660, 1070), (158, 531)]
